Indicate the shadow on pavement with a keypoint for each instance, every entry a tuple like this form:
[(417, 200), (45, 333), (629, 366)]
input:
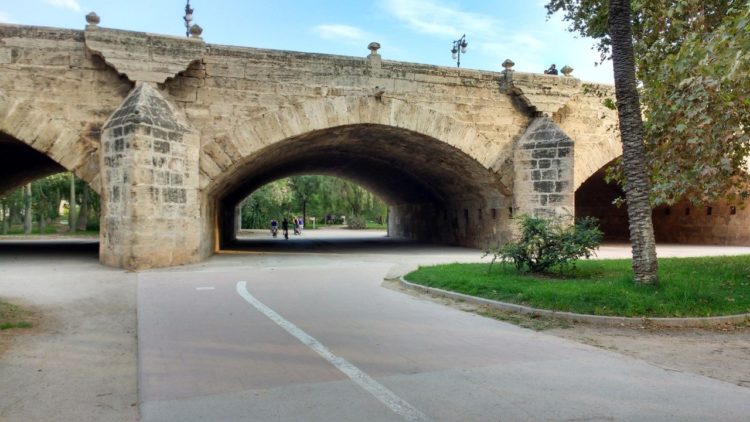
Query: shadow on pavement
[(55, 248), (344, 244)]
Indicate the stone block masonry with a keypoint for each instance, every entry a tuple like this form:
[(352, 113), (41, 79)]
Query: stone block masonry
[(150, 202), (174, 132), (544, 169)]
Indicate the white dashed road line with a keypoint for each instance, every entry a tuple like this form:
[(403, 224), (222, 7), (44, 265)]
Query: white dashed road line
[(379, 391), (206, 288)]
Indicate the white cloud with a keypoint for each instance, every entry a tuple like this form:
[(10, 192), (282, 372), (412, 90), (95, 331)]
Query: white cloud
[(65, 4), (433, 18), (5, 18), (533, 45), (340, 32)]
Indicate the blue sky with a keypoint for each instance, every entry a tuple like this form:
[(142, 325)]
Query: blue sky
[(419, 31)]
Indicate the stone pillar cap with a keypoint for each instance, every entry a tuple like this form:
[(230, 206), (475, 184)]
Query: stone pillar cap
[(373, 47), (93, 19), (196, 31)]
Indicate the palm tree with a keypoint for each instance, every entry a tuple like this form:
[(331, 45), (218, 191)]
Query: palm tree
[(637, 184)]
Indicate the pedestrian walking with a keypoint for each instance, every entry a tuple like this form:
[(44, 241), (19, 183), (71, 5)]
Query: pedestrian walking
[(285, 228)]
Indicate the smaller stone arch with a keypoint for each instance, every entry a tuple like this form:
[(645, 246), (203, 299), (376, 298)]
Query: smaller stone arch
[(52, 137)]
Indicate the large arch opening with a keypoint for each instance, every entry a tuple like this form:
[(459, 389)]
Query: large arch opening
[(34, 201), (717, 223), (435, 192)]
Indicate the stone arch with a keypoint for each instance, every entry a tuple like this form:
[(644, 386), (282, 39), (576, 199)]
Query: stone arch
[(591, 157), (712, 223), (52, 137), (225, 153), (428, 166), (594, 198)]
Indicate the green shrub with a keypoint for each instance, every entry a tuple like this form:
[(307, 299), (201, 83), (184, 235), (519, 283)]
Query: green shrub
[(356, 222), (549, 243)]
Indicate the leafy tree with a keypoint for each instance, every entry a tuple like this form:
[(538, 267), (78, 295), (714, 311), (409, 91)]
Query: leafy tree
[(612, 24), (271, 201), (313, 195), (27, 217), (304, 189), (12, 204), (40, 201), (697, 138), (692, 60)]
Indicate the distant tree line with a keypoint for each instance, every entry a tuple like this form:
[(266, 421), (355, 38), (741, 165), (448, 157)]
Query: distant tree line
[(311, 196), (45, 202)]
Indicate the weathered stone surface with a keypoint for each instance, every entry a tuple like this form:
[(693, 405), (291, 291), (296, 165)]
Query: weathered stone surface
[(150, 204), (143, 57), (453, 151), (544, 171)]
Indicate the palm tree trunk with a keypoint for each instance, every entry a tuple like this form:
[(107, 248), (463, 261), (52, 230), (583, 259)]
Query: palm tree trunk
[(637, 185)]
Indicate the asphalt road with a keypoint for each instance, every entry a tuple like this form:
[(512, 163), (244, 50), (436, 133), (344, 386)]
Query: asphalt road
[(315, 337)]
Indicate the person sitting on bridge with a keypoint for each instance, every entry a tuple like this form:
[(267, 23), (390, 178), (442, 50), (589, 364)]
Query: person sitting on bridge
[(552, 70)]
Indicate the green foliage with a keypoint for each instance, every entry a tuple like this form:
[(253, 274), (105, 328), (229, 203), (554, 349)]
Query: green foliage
[(47, 195), (697, 138), (692, 58), (688, 287), (308, 196), (356, 222), (546, 244)]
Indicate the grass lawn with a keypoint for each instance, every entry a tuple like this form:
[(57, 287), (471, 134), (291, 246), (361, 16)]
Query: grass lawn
[(699, 287), (18, 230), (12, 316), (51, 229)]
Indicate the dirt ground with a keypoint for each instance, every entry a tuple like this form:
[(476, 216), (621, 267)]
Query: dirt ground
[(23, 312), (78, 362), (722, 353)]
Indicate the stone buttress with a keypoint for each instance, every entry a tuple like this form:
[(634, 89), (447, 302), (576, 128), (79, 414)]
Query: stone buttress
[(150, 195), (544, 169)]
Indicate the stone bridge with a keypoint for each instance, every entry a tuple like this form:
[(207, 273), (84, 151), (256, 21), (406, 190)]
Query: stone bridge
[(173, 133)]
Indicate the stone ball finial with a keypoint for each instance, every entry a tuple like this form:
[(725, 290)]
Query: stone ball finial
[(93, 19), (508, 65), (566, 70), (195, 31), (374, 47)]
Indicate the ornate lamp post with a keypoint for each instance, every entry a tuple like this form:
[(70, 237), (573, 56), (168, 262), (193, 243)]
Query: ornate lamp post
[(459, 46), (188, 18)]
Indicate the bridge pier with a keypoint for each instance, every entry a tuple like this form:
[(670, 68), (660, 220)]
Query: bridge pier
[(544, 170), (150, 196)]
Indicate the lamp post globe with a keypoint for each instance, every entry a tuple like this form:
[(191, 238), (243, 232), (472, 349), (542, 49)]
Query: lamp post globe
[(459, 47)]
